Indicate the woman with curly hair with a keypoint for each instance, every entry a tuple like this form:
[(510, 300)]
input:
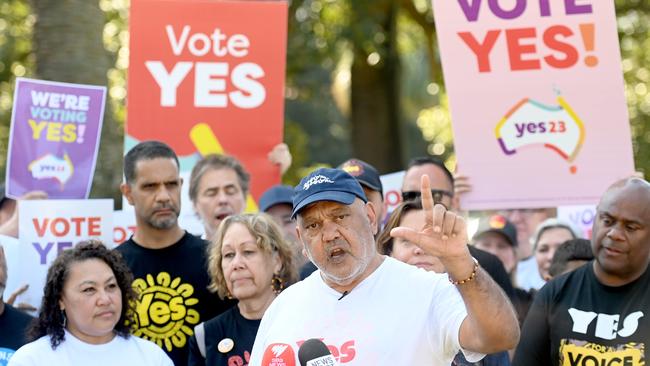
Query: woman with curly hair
[(248, 260), (84, 314)]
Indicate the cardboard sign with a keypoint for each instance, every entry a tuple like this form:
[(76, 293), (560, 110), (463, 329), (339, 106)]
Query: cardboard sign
[(54, 138), (208, 77), (537, 100), (392, 184), (48, 227), (123, 226), (580, 217)]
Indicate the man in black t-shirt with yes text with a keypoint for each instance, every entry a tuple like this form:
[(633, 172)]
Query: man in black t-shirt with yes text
[(168, 264), (598, 313)]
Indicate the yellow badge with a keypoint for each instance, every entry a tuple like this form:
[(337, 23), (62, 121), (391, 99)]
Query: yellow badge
[(225, 345)]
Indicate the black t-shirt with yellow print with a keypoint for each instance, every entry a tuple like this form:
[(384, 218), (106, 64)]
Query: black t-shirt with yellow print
[(577, 321), (172, 293)]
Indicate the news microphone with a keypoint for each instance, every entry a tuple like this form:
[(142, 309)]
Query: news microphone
[(315, 353)]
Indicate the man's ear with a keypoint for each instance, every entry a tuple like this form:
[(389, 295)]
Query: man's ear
[(302, 244), (125, 188), (372, 216)]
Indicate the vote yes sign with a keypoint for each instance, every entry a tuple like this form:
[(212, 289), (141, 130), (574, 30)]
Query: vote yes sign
[(48, 227), (208, 76), (536, 91)]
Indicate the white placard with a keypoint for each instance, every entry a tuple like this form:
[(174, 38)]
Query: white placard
[(48, 227)]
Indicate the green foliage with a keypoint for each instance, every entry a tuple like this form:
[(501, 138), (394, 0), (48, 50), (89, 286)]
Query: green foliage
[(116, 42), (16, 59), (634, 34), (316, 44)]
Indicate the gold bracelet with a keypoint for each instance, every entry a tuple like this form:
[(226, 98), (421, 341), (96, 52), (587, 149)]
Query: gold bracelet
[(470, 278)]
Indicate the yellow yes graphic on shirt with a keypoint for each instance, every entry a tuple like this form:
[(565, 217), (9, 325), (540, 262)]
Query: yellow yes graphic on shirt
[(164, 313)]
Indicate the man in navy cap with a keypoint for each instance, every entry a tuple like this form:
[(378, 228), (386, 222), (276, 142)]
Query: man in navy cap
[(370, 309), (277, 202)]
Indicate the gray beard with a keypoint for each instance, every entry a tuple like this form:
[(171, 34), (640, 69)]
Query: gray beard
[(163, 224)]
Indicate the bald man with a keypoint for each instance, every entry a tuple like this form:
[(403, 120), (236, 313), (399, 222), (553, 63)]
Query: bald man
[(599, 313)]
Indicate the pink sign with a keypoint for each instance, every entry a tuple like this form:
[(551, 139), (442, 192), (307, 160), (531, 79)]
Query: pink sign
[(537, 100)]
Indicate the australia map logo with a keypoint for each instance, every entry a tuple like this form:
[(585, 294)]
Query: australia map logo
[(50, 166), (531, 124)]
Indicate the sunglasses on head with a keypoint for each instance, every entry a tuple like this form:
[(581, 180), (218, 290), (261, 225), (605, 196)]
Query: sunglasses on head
[(437, 194)]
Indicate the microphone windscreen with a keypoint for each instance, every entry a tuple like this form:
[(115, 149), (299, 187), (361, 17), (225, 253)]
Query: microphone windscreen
[(315, 353)]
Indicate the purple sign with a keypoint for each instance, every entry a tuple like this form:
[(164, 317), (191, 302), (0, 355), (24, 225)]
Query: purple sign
[(54, 138)]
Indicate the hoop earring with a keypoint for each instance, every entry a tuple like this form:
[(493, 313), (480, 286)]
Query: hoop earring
[(65, 318), (277, 284)]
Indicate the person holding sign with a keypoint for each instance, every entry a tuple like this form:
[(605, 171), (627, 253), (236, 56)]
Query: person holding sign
[(168, 263), (85, 315)]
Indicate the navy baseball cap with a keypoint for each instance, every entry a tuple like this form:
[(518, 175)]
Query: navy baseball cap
[(276, 195), (365, 173), (326, 184)]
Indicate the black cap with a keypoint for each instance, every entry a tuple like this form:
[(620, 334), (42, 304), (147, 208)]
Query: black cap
[(500, 225), (365, 173)]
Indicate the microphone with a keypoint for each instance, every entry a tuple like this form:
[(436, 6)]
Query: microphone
[(315, 353)]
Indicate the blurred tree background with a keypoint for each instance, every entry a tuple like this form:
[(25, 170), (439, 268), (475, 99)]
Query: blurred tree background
[(363, 76)]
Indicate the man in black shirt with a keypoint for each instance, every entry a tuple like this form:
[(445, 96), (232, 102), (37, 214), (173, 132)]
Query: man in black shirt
[(168, 264), (13, 322), (598, 313)]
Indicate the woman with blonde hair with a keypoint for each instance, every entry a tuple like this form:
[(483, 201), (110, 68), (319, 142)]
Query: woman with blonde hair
[(250, 261)]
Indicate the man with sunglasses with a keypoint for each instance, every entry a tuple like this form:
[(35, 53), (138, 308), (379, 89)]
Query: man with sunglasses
[(442, 181)]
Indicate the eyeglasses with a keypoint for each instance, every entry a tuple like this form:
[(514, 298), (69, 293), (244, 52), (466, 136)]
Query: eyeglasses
[(437, 194)]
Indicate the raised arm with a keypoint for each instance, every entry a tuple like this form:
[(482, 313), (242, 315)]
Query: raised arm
[(491, 323)]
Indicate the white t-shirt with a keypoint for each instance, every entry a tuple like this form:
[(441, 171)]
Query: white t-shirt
[(399, 315), (72, 351), (528, 276)]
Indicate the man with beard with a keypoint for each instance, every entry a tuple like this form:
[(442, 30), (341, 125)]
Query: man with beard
[(168, 263)]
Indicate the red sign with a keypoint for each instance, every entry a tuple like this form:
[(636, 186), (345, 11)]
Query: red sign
[(208, 76)]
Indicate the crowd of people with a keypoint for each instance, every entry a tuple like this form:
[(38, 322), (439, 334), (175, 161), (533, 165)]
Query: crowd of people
[(322, 260)]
